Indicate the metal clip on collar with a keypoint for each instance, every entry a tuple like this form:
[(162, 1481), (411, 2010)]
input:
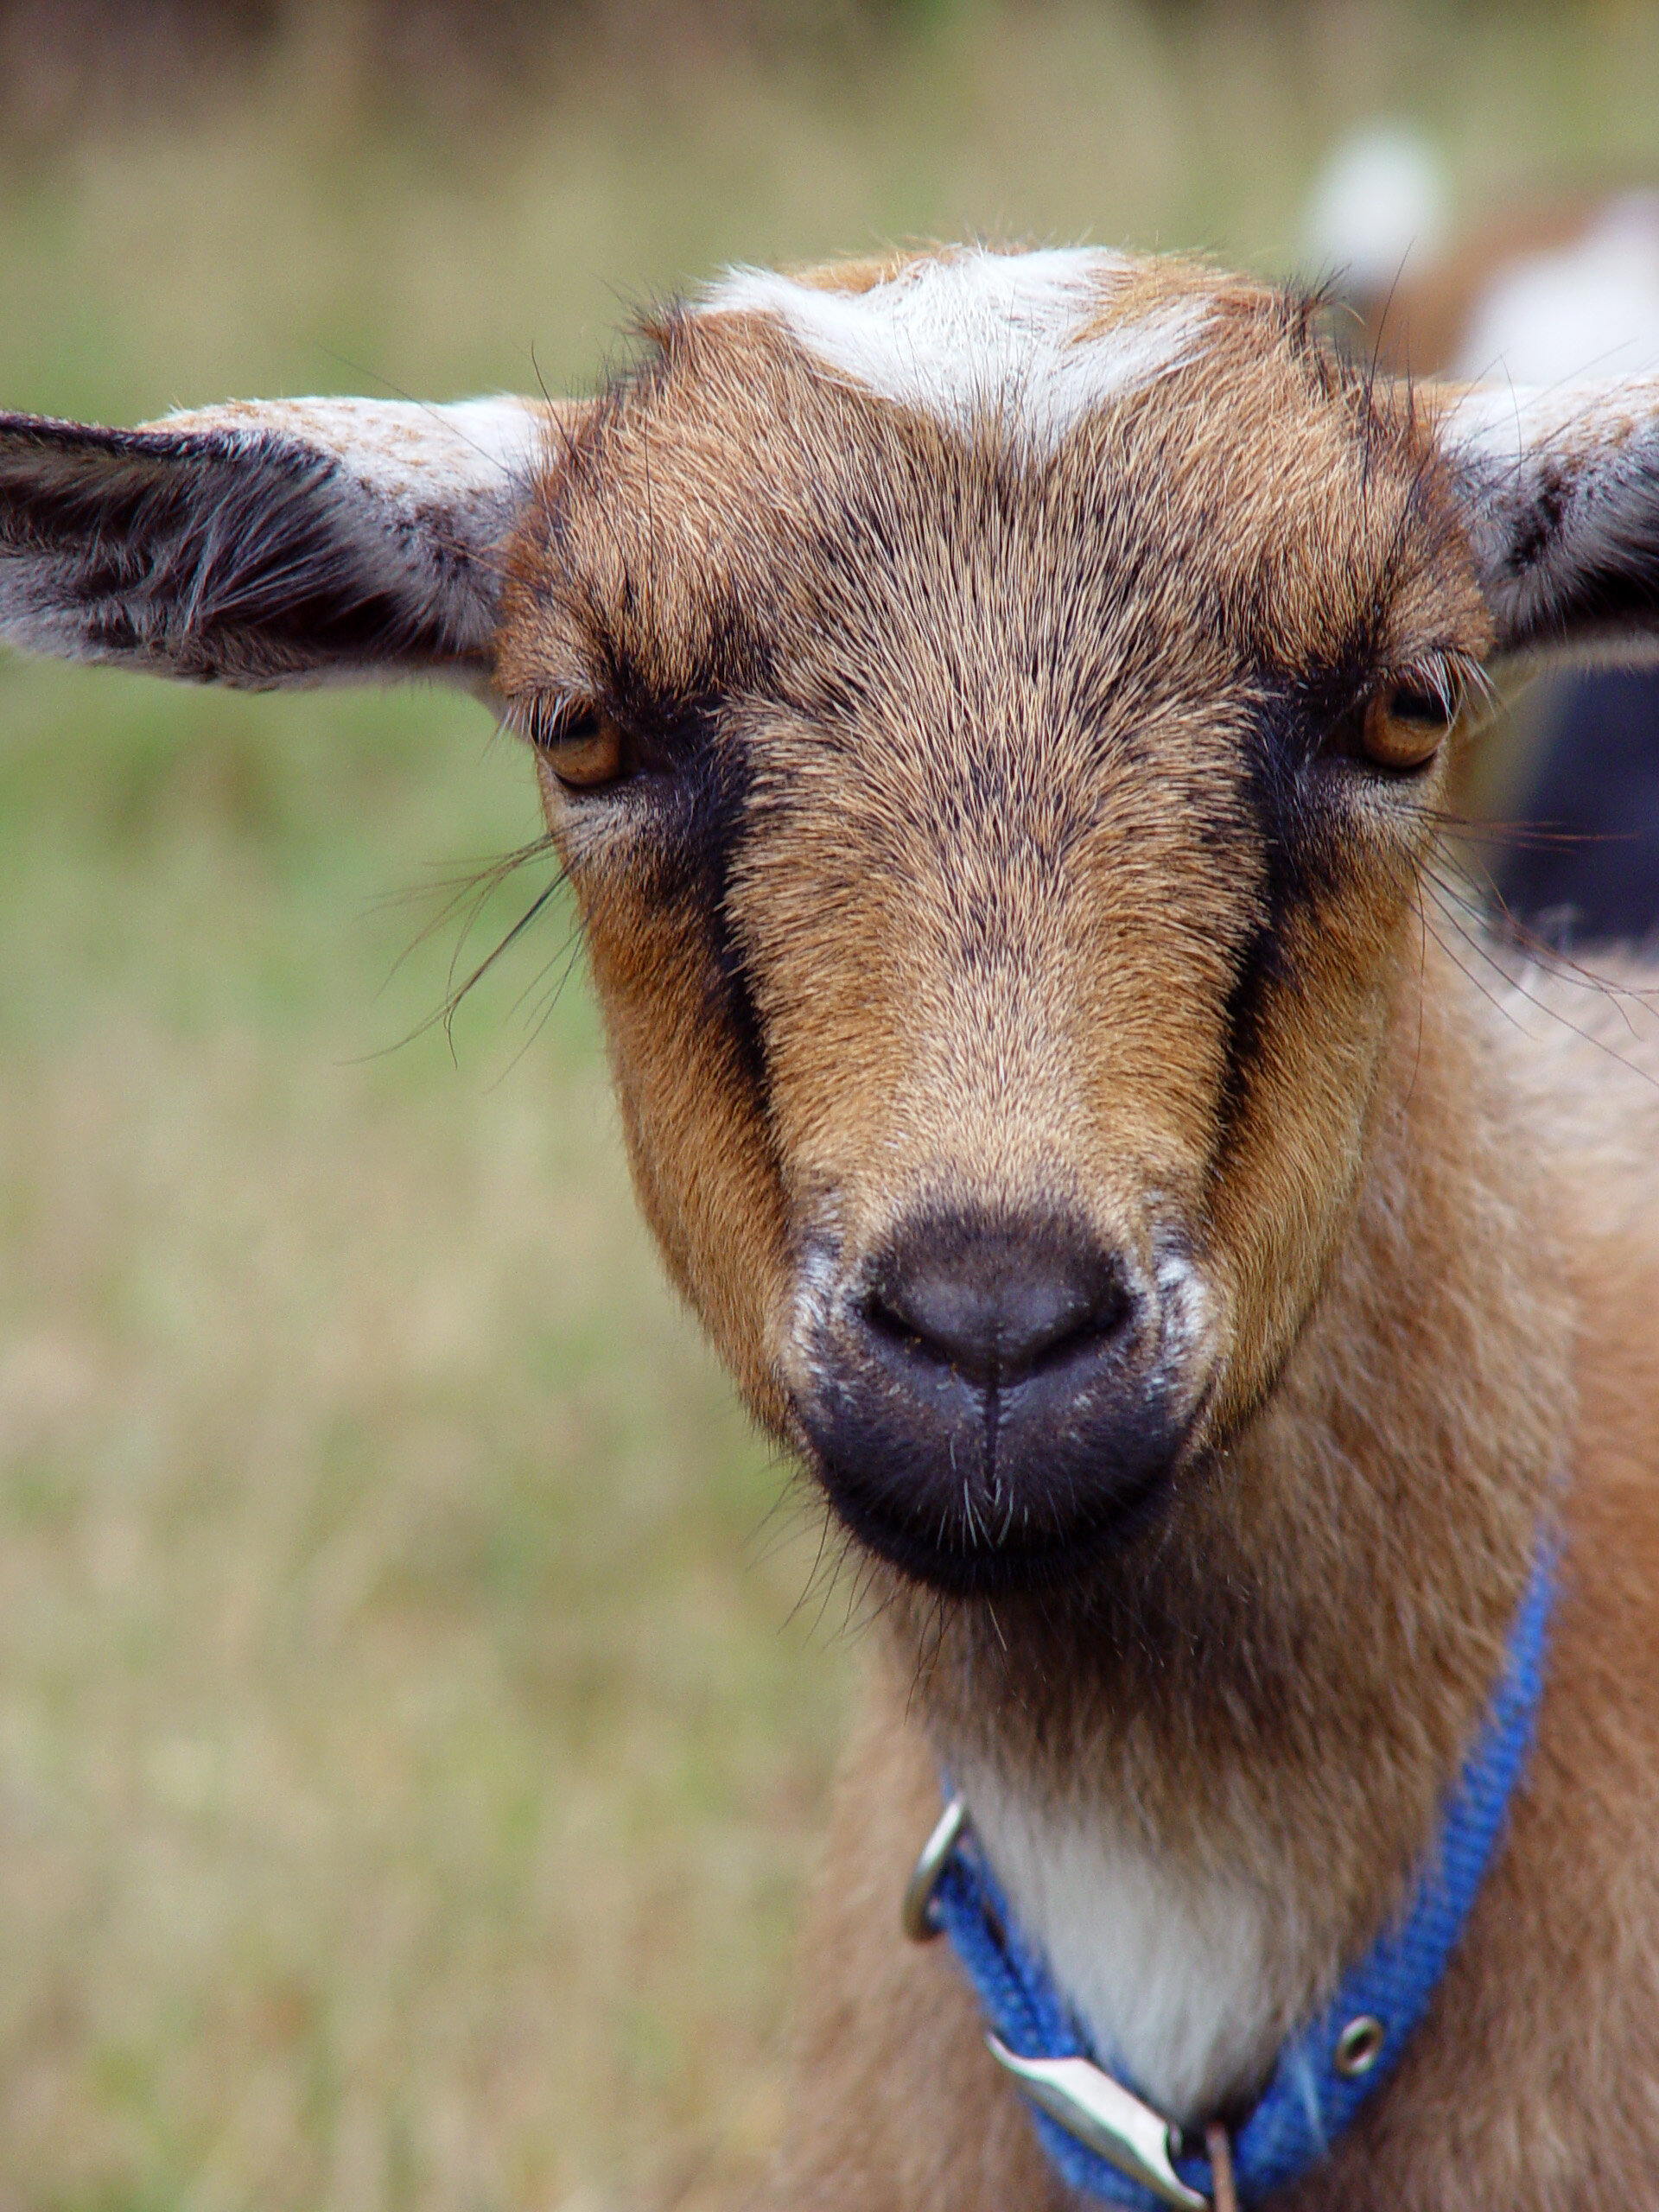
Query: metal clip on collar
[(1101, 2113), (916, 1911), (1106, 2119)]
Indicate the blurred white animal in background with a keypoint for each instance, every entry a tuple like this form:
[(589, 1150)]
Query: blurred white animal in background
[(1382, 198)]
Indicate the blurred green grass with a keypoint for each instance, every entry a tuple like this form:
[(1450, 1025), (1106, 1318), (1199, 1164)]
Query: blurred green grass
[(397, 1745), (409, 1756)]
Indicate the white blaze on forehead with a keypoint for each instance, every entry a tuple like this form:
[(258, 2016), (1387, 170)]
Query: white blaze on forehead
[(978, 336)]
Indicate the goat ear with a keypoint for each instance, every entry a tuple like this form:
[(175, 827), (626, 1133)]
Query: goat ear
[(1560, 490), (267, 542)]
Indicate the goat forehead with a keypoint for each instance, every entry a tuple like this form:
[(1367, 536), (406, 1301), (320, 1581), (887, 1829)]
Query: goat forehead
[(1038, 340), (736, 516)]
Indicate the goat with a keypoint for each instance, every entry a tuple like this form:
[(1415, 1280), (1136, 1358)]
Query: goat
[(999, 715)]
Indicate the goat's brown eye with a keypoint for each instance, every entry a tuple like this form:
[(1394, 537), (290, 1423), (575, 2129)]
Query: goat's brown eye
[(584, 749), (1406, 724)]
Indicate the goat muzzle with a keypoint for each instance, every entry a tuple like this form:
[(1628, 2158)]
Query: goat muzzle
[(987, 1399)]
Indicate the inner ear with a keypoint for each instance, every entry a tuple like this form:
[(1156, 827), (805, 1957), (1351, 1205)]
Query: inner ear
[(1559, 492), (263, 543)]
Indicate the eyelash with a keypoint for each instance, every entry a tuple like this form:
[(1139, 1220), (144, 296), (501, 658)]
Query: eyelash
[(590, 749)]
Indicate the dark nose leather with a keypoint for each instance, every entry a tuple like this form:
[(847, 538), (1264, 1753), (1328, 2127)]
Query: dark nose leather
[(997, 1305), (990, 1395)]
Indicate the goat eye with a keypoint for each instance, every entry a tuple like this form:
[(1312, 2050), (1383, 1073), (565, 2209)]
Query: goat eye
[(584, 750), (1405, 725)]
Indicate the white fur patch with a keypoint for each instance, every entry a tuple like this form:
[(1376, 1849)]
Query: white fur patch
[(417, 457), (1187, 1315), (816, 1283), (978, 337), (1508, 425), (1174, 1979)]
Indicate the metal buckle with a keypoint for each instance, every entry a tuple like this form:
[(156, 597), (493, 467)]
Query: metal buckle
[(1105, 2117), (916, 1913)]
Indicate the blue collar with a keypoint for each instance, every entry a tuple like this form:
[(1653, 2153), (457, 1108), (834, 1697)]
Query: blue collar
[(1102, 2138)]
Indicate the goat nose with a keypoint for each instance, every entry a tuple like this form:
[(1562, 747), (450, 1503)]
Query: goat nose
[(996, 1304), (989, 1389)]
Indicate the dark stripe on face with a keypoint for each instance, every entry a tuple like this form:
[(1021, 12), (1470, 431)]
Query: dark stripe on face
[(731, 998), (701, 819), (689, 830), (1291, 846), (694, 801)]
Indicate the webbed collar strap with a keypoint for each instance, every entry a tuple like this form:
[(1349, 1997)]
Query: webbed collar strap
[(1102, 2138)]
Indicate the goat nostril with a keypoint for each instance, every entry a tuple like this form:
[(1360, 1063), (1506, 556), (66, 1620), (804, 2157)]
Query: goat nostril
[(996, 1306), (886, 1321)]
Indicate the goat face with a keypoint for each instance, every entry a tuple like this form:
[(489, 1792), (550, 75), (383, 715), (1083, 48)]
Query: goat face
[(992, 708), (997, 818)]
